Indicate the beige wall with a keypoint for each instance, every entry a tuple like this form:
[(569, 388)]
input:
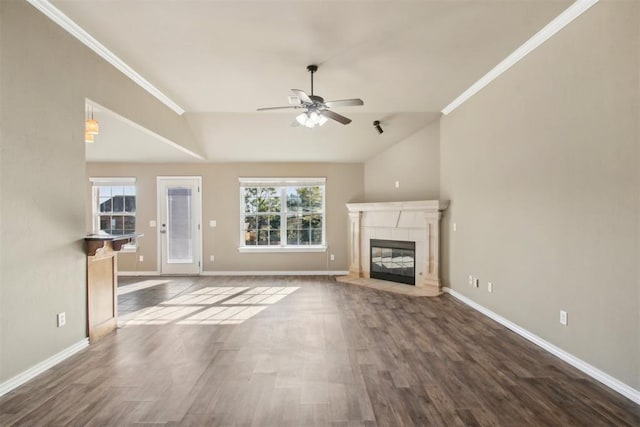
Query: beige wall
[(542, 169), (45, 76), (414, 162), (221, 203)]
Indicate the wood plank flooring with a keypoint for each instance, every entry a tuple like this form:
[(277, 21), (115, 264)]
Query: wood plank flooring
[(256, 351)]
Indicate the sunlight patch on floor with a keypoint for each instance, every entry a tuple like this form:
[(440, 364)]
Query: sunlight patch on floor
[(123, 290), (161, 315), (212, 306)]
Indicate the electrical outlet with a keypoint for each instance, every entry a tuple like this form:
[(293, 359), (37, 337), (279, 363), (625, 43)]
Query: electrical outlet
[(489, 286), (62, 319), (476, 282), (454, 227), (564, 320), (141, 258), (397, 184), (332, 257), (211, 258), (471, 280)]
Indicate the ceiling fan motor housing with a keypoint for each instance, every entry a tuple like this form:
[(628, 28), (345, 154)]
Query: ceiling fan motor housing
[(317, 99)]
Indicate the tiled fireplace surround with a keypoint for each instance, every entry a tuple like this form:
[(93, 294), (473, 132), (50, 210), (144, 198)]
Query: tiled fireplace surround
[(415, 221)]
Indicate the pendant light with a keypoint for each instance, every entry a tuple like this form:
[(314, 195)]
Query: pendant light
[(91, 125)]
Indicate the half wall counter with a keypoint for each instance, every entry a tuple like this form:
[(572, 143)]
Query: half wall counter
[(102, 282)]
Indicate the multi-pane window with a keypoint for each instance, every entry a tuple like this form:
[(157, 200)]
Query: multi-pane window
[(282, 212), (114, 206)]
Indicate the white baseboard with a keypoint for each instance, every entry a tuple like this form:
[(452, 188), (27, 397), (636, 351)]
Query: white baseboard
[(139, 273), (595, 373), (25, 376), (275, 273), (245, 273)]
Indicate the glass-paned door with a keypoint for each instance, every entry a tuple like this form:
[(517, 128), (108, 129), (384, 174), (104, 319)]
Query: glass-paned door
[(179, 224)]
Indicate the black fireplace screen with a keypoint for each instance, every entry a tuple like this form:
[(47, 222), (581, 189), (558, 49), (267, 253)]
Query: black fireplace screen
[(393, 260)]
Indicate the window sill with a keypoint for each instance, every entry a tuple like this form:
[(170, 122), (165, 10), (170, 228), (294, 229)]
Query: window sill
[(281, 249)]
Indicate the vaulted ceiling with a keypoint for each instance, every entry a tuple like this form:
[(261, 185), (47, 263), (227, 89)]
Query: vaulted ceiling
[(220, 60)]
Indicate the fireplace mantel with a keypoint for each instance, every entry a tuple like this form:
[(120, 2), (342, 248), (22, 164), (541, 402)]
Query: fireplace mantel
[(419, 205), (416, 221)]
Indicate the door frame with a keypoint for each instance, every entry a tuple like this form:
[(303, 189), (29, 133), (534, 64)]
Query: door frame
[(199, 245)]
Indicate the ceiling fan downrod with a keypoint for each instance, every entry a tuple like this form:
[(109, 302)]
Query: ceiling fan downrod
[(312, 69)]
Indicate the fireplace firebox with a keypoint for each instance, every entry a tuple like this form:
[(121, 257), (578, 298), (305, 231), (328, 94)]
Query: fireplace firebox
[(393, 260)]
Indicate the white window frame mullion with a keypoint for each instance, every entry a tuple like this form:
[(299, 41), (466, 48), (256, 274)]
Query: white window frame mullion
[(283, 217), (94, 209), (324, 215), (243, 219)]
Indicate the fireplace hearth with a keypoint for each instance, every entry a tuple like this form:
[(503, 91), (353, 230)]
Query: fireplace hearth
[(393, 260)]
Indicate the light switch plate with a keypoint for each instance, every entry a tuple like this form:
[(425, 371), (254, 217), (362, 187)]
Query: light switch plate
[(213, 223), (152, 223)]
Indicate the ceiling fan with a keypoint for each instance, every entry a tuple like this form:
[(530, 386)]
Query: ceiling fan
[(318, 111)]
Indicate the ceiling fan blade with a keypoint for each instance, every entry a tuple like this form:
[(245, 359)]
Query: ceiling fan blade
[(335, 116), (279, 108), (303, 96), (344, 103)]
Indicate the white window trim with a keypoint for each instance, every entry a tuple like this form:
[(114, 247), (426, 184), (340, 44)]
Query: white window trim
[(282, 182), (282, 248), (114, 181), (104, 182)]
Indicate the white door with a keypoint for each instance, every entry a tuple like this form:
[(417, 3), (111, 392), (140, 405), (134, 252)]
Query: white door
[(179, 214)]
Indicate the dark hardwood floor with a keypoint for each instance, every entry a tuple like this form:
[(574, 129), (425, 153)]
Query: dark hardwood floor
[(307, 351)]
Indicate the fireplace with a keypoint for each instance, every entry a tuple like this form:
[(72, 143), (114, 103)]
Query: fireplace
[(413, 221), (393, 260)]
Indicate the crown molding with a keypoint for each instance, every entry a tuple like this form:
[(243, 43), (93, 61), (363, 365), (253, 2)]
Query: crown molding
[(561, 21), (78, 32)]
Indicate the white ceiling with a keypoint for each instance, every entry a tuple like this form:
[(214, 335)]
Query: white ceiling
[(269, 137), (121, 140), (219, 57)]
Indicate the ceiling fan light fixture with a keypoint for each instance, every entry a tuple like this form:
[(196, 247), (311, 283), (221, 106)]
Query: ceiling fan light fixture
[(311, 119), (302, 119)]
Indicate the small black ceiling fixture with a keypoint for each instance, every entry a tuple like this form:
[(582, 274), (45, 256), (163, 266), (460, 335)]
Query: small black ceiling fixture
[(376, 124)]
